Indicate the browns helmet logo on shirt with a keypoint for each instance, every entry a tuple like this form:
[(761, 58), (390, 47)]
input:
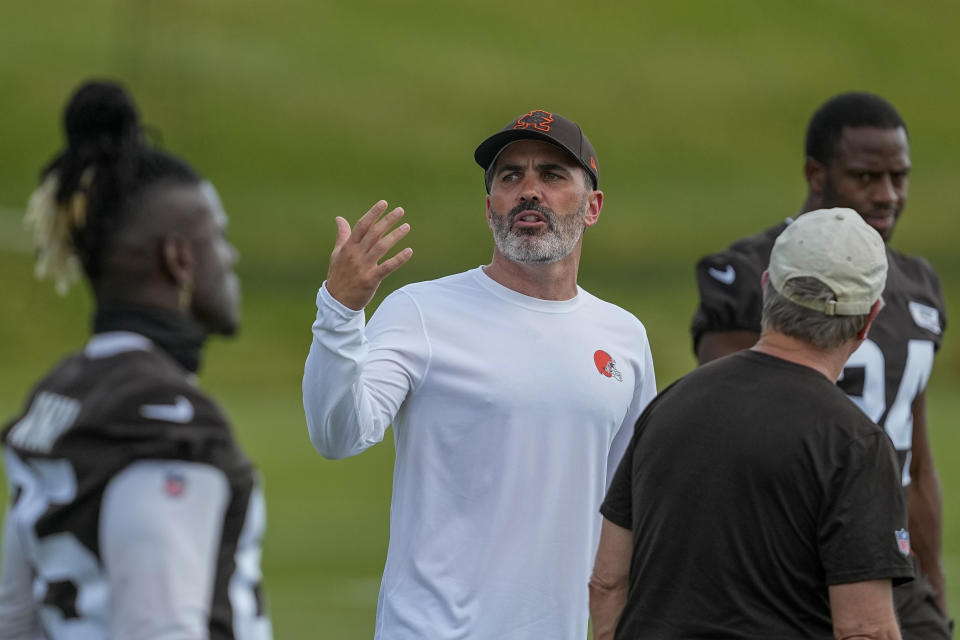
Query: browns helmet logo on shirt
[(539, 120), (606, 365)]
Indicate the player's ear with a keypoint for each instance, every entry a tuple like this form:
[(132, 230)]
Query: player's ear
[(489, 216), (594, 205), (177, 260), (874, 310), (816, 174)]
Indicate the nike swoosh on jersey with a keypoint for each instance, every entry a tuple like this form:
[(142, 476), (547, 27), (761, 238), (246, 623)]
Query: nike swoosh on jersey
[(727, 276), (180, 411)]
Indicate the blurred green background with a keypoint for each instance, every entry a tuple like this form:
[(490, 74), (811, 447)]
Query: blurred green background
[(300, 111)]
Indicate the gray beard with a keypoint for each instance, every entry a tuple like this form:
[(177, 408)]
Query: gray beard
[(553, 245)]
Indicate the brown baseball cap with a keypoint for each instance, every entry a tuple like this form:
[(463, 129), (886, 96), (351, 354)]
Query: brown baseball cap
[(540, 125)]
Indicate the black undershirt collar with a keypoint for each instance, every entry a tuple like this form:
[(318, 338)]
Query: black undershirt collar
[(181, 337)]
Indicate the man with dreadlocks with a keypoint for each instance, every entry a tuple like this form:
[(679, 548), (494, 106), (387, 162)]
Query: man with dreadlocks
[(133, 512)]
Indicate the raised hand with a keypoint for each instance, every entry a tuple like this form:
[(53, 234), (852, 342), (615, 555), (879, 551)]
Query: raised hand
[(355, 269)]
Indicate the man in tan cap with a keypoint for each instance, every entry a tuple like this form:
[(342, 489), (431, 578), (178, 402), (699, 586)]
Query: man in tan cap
[(756, 500), (857, 155)]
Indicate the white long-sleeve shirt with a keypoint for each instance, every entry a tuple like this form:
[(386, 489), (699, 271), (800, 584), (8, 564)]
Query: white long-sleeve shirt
[(509, 420)]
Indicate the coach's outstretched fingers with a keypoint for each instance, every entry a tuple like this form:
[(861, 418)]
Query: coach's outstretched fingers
[(355, 269)]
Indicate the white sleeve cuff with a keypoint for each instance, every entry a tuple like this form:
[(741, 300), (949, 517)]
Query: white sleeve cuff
[(325, 300)]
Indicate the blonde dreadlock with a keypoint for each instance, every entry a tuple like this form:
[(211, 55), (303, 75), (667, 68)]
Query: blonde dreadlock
[(53, 225)]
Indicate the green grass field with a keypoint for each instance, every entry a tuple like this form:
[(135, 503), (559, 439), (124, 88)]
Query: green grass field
[(300, 111)]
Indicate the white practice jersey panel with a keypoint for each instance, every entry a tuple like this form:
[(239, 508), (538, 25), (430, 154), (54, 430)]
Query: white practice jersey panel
[(510, 415), (160, 527)]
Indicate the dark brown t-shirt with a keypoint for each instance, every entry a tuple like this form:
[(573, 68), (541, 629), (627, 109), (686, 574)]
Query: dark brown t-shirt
[(750, 485)]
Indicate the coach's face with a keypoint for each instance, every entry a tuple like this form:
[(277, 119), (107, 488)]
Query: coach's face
[(869, 173), (540, 202)]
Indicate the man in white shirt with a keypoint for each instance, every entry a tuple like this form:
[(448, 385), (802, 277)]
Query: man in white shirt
[(511, 390)]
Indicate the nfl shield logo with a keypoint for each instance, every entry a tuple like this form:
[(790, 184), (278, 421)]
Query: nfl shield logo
[(174, 484), (903, 541)]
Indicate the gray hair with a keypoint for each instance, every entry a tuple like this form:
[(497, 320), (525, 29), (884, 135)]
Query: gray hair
[(588, 180), (813, 327)]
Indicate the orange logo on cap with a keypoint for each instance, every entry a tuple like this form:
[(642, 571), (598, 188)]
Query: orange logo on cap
[(539, 120), (593, 163)]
